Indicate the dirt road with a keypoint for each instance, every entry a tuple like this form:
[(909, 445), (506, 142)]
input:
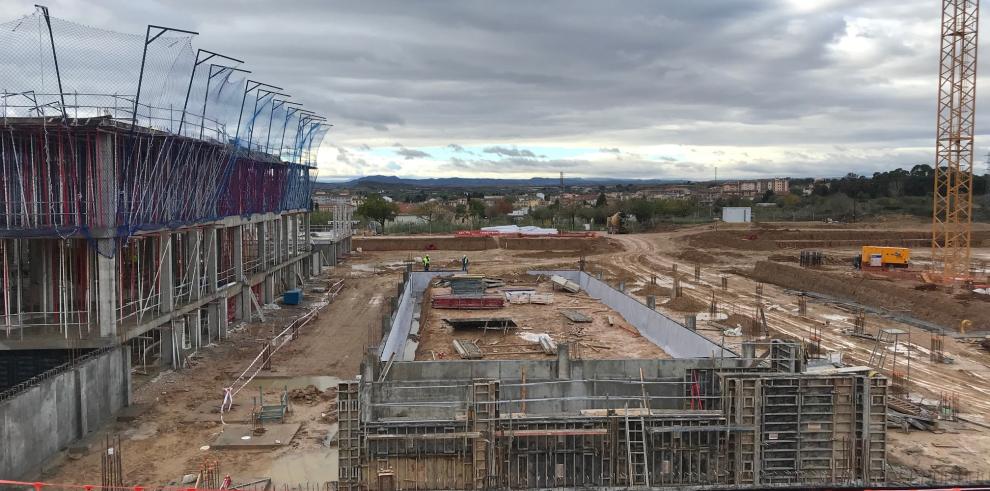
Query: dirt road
[(164, 443)]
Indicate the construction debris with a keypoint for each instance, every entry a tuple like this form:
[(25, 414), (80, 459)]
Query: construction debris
[(575, 316), (483, 323), (468, 302), (565, 284)]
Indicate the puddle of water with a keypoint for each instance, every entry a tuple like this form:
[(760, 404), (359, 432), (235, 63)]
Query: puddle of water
[(312, 466), (322, 382)]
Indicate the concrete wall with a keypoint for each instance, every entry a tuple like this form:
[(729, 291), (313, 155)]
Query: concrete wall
[(395, 341), (677, 340), (46, 418), (427, 390)]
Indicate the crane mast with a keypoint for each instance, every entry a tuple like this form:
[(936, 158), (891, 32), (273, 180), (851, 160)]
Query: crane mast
[(953, 193)]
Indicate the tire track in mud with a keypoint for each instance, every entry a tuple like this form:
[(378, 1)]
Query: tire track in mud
[(642, 259)]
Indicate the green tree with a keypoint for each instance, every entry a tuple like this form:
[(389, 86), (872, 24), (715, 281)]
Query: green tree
[(601, 201), (431, 211), (376, 208), (461, 212), (476, 209)]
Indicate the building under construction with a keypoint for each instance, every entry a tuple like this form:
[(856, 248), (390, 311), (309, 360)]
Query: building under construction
[(706, 417), (129, 240)]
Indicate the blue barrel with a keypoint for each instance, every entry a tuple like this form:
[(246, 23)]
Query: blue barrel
[(292, 297)]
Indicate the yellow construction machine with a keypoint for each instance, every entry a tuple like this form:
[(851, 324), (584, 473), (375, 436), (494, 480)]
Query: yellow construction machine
[(881, 257)]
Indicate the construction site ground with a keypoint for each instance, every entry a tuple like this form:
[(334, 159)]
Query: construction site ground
[(606, 336), (169, 438)]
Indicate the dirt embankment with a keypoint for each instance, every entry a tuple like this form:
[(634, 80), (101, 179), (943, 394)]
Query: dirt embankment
[(764, 239), (424, 243), (587, 245), (932, 306)]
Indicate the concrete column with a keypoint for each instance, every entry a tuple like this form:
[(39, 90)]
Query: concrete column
[(213, 320), (268, 289), (106, 263), (166, 278), (291, 271), (222, 324), (242, 305), (125, 369), (194, 328), (194, 243), (294, 235), (286, 240), (279, 242), (315, 262), (170, 348), (262, 249), (210, 249), (308, 228)]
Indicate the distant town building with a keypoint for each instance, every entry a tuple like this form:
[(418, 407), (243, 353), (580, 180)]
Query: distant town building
[(756, 187)]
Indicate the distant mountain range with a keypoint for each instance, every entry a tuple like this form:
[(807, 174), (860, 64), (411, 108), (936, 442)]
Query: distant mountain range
[(468, 182)]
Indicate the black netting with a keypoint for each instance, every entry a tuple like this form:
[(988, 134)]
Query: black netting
[(73, 177), (100, 72)]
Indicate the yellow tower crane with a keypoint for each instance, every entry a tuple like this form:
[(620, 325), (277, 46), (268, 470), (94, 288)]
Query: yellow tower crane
[(953, 204)]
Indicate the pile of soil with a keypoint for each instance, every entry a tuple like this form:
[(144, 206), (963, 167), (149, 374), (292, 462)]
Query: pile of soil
[(655, 290), (310, 394), (685, 304), (784, 258)]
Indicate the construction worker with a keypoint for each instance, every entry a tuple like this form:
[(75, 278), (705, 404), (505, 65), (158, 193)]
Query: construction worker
[(426, 262), (464, 263)]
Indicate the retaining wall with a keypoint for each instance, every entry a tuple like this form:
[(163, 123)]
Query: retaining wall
[(404, 316), (46, 418)]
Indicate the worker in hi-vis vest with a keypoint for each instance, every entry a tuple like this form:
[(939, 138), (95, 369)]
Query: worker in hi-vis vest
[(426, 262)]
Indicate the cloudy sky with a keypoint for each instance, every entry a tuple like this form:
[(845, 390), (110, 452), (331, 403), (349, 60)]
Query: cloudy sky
[(639, 89)]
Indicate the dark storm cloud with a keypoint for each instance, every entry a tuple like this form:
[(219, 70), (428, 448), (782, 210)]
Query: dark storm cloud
[(748, 73), (510, 152), (410, 153)]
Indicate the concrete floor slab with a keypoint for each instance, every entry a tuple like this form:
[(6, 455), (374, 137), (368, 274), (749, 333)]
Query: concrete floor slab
[(275, 435)]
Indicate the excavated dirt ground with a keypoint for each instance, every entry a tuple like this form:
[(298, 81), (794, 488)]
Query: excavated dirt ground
[(164, 442), (591, 340)]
